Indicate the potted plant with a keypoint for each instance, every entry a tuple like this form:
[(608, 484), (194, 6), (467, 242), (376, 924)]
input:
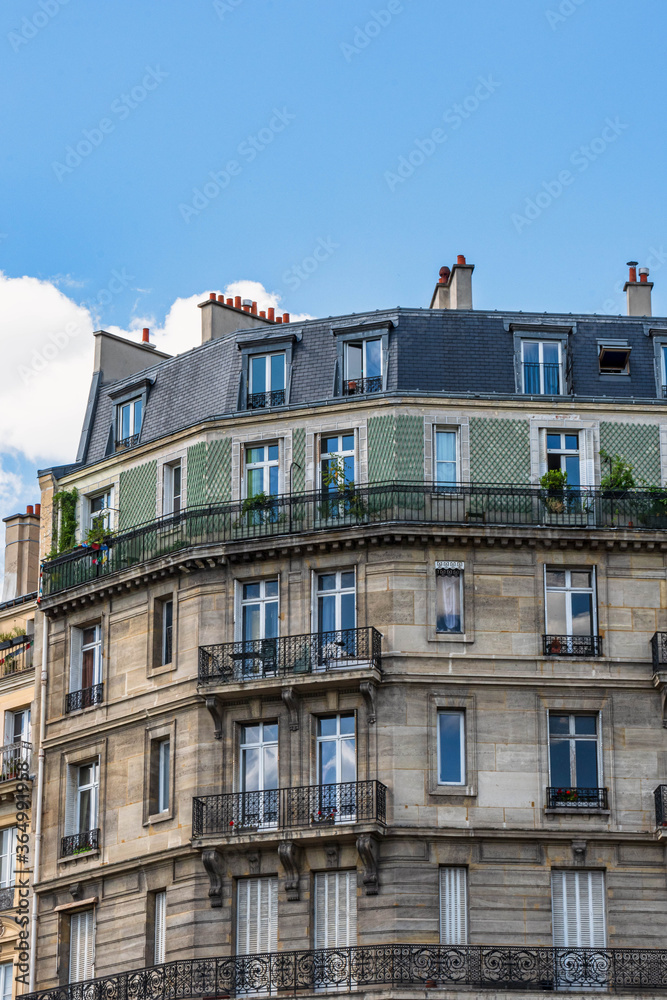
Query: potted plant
[(555, 483), (619, 478)]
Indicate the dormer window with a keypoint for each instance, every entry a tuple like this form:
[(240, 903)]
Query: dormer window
[(614, 359), (363, 367), (541, 367), (266, 381), (129, 419)]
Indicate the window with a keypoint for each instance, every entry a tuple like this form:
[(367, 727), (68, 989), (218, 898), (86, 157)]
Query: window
[(100, 511), (87, 795), (167, 627), (451, 747), (7, 857), (256, 915), (259, 610), (172, 489), (337, 461), (363, 367), (266, 381), (541, 364), (663, 369), (337, 767), (164, 747), (81, 946), (336, 601), (82, 809), (563, 456), (6, 980), (446, 458), (574, 759), (614, 359), (335, 909), (262, 469), (449, 597), (129, 418), (17, 726), (259, 774), (85, 683), (578, 909), (453, 906), (160, 928), (570, 604)]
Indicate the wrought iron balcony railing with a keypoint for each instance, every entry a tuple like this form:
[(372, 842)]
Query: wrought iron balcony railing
[(127, 442), (577, 798), (362, 386), (449, 967), (359, 506), (260, 400), (249, 659), (79, 843), (572, 645), (85, 698), (660, 796), (13, 760), (7, 898), (284, 808), (659, 651), (16, 655)]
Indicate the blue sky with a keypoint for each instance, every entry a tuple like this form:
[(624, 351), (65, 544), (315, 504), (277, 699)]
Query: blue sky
[(545, 167)]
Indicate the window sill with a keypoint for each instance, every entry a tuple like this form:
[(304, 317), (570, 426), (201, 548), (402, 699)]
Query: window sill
[(457, 791), (162, 817), (83, 856), (451, 637), (577, 811), (164, 668)]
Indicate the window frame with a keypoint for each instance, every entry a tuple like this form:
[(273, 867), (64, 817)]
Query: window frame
[(348, 379), (172, 501), (94, 787), (562, 873), (593, 590), (6, 980), (133, 437), (77, 915), (8, 850), (339, 738), (343, 913), (106, 513), (154, 737), (77, 650), (445, 568), (260, 745), (240, 603), (355, 334), (265, 465), (454, 793), (270, 882), (462, 745), (338, 592), (616, 346), (541, 342), (340, 453), (159, 927), (462, 875), (456, 432), (572, 739)]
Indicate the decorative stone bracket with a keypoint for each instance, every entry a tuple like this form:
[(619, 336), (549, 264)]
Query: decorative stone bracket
[(290, 859), (368, 689), (214, 863), (579, 851), (292, 703), (213, 705), (367, 850)]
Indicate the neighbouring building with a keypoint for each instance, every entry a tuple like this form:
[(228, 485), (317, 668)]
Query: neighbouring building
[(355, 636)]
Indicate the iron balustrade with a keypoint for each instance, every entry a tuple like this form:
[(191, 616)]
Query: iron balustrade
[(358, 506), (249, 659), (549, 384), (79, 843), (660, 796), (7, 898), (85, 698), (285, 808), (577, 798), (12, 757), (127, 442), (496, 967), (260, 400), (16, 655), (659, 651), (362, 386), (572, 645)]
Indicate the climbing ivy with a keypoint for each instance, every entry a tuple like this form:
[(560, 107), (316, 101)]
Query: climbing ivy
[(64, 521)]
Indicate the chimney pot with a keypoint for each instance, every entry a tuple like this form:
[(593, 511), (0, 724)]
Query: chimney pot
[(279, 319), (145, 336), (29, 509), (38, 509), (633, 264), (460, 260), (237, 301), (272, 314), (262, 314), (211, 296), (643, 275), (221, 298), (253, 309), (229, 302), (444, 275), (247, 303), (285, 317)]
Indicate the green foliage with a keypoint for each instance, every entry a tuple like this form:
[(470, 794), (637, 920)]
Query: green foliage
[(12, 634), (64, 521), (554, 480), (620, 475), (98, 533)]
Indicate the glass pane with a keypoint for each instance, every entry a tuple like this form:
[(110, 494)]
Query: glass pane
[(254, 455), (348, 442), (448, 604), (271, 620), (271, 767), (445, 446), (270, 732), (347, 725), (354, 353), (273, 480), (551, 374), (347, 611), (86, 774), (347, 580), (326, 613), (449, 727), (585, 725), (586, 755), (87, 668), (556, 620), (572, 470), (550, 353), (571, 442), (555, 578), (138, 412), (273, 453), (329, 445), (277, 372), (373, 358), (328, 771), (89, 636), (251, 774), (327, 726), (249, 734), (251, 621), (250, 591), (560, 763), (581, 579), (255, 482), (553, 441), (531, 352), (85, 810), (271, 588), (326, 582), (582, 614), (559, 724), (348, 463), (258, 374), (531, 378), (348, 761)]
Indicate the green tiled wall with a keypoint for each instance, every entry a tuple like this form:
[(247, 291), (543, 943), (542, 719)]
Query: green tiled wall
[(638, 444), (196, 486), (381, 449), (138, 495), (499, 450), (409, 448), (396, 448), (299, 459), (209, 472)]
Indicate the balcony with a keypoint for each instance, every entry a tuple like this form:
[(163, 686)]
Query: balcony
[(577, 798), (15, 761), (582, 646), (659, 652), (128, 442), (16, 655), (362, 386), (85, 698), (392, 966), (660, 796), (410, 505), (79, 843), (319, 652), (541, 380), (313, 806), (262, 400)]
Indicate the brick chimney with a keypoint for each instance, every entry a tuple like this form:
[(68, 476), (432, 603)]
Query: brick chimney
[(638, 292), (220, 316), (454, 289), (21, 554)]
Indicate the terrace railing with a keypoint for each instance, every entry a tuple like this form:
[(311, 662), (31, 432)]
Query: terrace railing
[(85, 698), (260, 400), (16, 655), (12, 757), (572, 645), (79, 843), (357, 506), (577, 798), (285, 808), (362, 386), (249, 659), (409, 966)]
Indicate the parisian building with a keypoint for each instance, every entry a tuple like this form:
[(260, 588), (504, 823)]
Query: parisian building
[(354, 657)]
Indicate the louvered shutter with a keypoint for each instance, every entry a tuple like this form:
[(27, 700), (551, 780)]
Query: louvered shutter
[(578, 909), (453, 906), (81, 946), (335, 909), (71, 800), (257, 915), (76, 657), (160, 928)]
